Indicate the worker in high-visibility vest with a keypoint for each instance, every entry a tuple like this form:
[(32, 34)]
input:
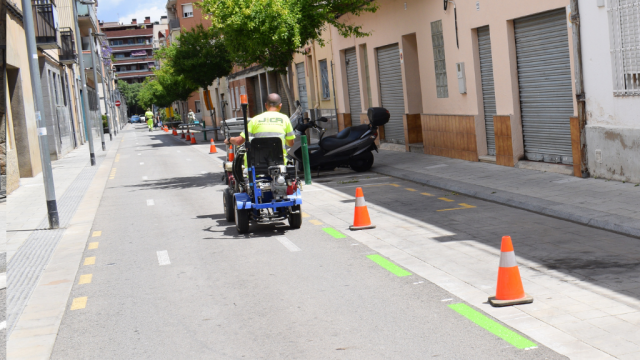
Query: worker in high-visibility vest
[(149, 116)]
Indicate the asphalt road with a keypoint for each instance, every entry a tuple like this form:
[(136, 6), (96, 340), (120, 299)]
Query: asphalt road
[(171, 279)]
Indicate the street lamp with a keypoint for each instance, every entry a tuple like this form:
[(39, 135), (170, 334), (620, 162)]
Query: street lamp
[(83, 78)]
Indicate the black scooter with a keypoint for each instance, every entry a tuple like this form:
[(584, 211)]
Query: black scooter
[(352, 147)]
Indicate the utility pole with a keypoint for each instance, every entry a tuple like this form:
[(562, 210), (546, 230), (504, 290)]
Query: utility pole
[(83, 78), (43, 141), (95, 80), (104, 86)]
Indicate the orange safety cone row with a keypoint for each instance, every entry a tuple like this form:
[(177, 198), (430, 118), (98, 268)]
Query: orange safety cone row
[(188, 136), (212, 148), (193, 139), (361, 218), (509, 290)]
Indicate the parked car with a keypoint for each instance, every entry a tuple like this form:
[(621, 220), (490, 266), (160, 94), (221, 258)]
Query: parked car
[(135, 119)]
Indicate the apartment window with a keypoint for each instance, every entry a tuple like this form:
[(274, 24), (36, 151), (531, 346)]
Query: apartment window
[(198, 107), (233, 99), (324, 78), (237, 98), (439, 60), (118, 56), (624, 39), (187, 10), (116, 42)]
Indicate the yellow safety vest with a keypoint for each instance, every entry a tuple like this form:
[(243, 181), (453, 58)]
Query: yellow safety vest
[(271, 124)]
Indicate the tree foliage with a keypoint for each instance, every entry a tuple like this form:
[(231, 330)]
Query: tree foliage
[(270, 32), (200, 56), (129, 92)]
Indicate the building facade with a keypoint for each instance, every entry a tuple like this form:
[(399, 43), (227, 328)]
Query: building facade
[(132, 47)]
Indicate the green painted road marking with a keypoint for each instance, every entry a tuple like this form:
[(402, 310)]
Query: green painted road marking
[(393, 268), (333, 232), (493, 327)]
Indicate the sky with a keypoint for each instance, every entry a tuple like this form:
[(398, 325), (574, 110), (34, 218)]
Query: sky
[(125, 10)]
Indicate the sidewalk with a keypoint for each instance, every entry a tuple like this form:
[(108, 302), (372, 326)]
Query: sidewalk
[(30, 244), (608, 205)]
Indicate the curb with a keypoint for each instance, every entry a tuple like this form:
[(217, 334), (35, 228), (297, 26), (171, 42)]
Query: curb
[(524, 202)]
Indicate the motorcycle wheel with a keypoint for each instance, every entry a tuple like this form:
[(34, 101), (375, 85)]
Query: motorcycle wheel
[(295, 219), (362, 163), (227, 199), (242, 219)]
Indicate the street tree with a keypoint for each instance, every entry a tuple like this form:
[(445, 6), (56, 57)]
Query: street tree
[(130, 93), (270, 32)]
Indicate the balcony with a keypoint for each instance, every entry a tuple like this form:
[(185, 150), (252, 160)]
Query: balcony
[(45, 19), (67, 53), (174, 24), (87, 17)]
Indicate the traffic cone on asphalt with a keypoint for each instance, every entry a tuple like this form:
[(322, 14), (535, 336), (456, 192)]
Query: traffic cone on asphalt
[(175, 133), (193, 139), (182, 137), (361, 217), (230, 154), (212, 148), (509, 290), (188, 136)]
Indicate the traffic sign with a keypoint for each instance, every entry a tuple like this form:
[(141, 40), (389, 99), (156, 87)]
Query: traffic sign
[(117, 102)]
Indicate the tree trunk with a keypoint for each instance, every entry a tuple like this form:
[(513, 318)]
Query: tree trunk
[(287, 90)]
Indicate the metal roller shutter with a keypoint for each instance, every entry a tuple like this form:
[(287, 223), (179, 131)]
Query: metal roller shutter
[(546, 96), (391, 92), (353, 86), (302, 87), (488, 91)]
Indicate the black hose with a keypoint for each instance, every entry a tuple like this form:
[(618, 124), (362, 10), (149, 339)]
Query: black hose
[(236, 169)]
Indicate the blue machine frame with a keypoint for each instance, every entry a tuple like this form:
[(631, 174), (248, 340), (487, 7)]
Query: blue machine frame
[(243, 201)]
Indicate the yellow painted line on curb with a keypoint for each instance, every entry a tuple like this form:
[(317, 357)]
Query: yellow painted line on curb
[(464, 206), (427, 194), (445, 199), (85, 279), (90, 260), (395, 185), (96, 233), (315, 222), (93, 245), (409, 189), (79, 303), (305, 215), (113, 174), (117, 158)]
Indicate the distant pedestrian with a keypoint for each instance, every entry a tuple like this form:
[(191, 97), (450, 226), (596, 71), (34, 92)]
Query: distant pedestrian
[(191, 116)]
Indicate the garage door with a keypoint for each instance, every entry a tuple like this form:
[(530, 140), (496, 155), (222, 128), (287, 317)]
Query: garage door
[(390, 75), (546, 96), (488, 92), (353, 86), (302, 87)]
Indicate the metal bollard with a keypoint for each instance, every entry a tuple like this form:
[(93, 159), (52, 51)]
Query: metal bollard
[(305, 160)]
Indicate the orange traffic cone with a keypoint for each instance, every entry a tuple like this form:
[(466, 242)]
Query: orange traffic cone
[(188, 136), (212, 148), (509, 290), (182, 137), (193, 139), (230, 154), (166, 129), (361, 217), (175, 133)]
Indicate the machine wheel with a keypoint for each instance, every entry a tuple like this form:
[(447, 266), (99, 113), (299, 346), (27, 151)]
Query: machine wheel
[(229, 211), (295, 219), (363, 162), (242, 219)]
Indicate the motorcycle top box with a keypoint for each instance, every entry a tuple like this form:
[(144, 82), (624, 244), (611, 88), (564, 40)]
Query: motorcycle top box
[(378, 116)]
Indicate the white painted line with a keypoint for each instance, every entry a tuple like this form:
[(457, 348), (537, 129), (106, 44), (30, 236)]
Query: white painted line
[(141, 163), (150, 202), (3, 325), (145, 178), (419, 282), (288, 244), (178, 150), (203, 172), (3, 281), (436, 166), (163, 258), (139, 154), (188, 159), (446, 299)]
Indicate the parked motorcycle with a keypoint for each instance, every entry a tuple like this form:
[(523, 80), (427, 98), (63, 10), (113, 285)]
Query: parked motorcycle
[(352, 147)]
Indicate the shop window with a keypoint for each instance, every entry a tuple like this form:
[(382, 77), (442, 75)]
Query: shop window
[(624, 35), (324, 78)]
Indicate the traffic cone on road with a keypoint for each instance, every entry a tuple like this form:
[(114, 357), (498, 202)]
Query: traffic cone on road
[(212, 148), (175, 133), (188, 136), (509, 290), (361, 217), (230, 154), (182, 137), (193, 139)]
